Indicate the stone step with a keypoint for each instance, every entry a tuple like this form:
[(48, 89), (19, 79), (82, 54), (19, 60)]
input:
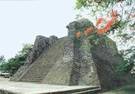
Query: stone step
[(34, 88), (90, 90)]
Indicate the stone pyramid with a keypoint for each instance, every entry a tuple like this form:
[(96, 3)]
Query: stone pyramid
[(66, 61)]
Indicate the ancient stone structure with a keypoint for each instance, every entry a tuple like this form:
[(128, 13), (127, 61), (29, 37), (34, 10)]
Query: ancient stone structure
[(69, 61), (41, 45)]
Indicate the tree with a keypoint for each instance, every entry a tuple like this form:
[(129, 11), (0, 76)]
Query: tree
[(123, 31), (2, 59), (13, 64)]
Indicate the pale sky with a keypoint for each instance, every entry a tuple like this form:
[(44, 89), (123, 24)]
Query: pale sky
[(22, 20)]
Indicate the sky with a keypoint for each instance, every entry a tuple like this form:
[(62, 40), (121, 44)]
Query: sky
[(22, 20)]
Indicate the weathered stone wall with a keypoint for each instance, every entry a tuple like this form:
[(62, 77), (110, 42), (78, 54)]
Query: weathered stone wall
[(79, 66), (78, 26), (100, 53), (72, 61), (75, 67), (41, 45)]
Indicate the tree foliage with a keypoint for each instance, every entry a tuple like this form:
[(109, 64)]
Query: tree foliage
[(2, 60), (99, 3), (123, 31), (13, 64)]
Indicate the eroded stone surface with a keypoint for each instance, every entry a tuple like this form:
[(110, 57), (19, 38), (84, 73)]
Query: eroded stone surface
[(41, 45), (73, 61)]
